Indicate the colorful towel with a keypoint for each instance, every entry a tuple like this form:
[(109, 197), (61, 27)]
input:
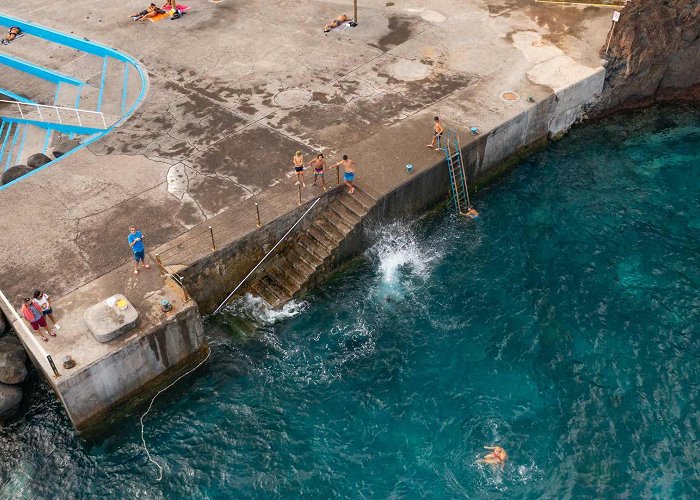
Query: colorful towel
[(159, 17), (181, 8)]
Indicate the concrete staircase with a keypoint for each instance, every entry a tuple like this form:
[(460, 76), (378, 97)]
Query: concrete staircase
[(297, 267)]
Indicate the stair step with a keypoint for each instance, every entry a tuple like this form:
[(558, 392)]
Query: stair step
[(321, 237), (338, 210), (337, 231), (364, 198), (293, 271), (299, 262), (314, 248), (352, 205), (331, 218), (275, 288), (259, 290), (307, 256), (283, 280)]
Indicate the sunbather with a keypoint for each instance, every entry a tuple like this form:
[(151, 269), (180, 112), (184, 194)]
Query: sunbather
[(12, 33), (170, 7), (337, 22), (151, 11)]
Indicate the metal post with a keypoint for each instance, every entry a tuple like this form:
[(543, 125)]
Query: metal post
[(184, 292), (299, 186), (53, 366), (160, 265), (257, 213), (19, 107), (38, 108), (211, 233), (354, 10), (337, 173), (77, 113)]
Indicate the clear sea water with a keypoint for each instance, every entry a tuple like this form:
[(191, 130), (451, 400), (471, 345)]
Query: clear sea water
[(561, 325)]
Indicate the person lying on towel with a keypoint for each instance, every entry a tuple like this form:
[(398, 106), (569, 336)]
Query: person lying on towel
[(151, 11), (11, 35), (337, 22)]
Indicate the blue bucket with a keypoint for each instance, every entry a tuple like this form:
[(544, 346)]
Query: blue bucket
[(409, 168)]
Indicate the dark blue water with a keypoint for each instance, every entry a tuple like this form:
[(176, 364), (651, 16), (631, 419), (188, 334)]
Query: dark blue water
[(562, 325)]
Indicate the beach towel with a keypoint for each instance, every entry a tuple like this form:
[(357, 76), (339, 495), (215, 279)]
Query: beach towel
[(159, 17), (8, 42), (181, 8)]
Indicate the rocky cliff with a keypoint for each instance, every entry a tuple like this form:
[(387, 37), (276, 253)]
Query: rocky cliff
[(654, 55)]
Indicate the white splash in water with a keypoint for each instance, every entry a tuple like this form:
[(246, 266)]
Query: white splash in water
[(399, 251), (259, 311)]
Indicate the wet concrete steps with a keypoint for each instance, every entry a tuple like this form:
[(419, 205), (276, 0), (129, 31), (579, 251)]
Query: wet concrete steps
[(291, 272)]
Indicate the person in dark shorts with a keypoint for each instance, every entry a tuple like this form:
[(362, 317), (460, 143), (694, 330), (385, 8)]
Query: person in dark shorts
[(298, 160), (319, 164), (12, 33), (45, 302), (136, 243), (31, 311), (151, 11), (437, 134)]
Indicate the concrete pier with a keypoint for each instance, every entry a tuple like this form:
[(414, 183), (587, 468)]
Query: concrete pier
[(235, 89)]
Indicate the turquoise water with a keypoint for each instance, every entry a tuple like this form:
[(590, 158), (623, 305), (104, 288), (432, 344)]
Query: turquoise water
[(561, 325)]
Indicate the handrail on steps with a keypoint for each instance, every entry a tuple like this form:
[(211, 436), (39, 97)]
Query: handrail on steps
[(266, 256)]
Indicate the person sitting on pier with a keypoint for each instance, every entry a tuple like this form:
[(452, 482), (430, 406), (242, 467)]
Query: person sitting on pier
[(498, 456), (12, 33), (151, 11)]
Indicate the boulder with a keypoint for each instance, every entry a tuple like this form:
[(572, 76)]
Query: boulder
[(3, 324), (11, 343), (10, 398), (13, 367), (15, 172), (64, 146), (37, 160)]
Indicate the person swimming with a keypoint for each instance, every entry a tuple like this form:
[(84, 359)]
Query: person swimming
[(498, 456)]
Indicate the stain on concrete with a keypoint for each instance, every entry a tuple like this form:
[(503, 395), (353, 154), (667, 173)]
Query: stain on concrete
[(401, 28)]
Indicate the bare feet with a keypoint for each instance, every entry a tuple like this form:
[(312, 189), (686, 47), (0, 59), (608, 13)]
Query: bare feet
[(136, 271), (146, 266)]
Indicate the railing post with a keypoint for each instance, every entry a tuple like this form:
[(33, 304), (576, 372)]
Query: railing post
[(257, 213), (77, 113), (38, 109), (211, 233), (53, 366), (19, 108), (299, 186), (337, 173), (185, 295), (104, 122), (160, 265), (58, 115)]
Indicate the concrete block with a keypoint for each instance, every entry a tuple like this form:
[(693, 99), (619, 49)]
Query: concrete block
[(106, 321)]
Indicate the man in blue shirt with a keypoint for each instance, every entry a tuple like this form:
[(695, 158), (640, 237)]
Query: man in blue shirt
[(136, 244)]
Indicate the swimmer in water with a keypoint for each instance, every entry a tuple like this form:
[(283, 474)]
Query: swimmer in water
[(498, 456)]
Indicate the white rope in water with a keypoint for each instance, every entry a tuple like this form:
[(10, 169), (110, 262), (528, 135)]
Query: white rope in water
[(143, 439), (266, 256)]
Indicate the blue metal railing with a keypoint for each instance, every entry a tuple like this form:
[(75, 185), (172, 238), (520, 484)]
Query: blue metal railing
[(106, 53)]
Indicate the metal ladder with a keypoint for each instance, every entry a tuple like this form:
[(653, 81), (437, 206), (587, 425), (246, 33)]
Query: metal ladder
[(458, 177)]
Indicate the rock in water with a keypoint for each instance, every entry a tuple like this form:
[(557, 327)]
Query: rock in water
[(37, 160), (13, 369), (10, 397), (15, 172)]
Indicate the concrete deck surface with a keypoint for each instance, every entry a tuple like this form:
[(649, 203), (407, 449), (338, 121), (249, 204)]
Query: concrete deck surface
[(238, 86)]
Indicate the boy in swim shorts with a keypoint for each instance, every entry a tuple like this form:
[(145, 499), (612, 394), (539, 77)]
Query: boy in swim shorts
[(298, 160), (348, 172), (319, 164), (31, 311)]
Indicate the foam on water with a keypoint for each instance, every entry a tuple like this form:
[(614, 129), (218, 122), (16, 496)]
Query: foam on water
[(258, 310)]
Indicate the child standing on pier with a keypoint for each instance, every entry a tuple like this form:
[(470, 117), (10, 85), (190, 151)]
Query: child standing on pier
[(298, 160)]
